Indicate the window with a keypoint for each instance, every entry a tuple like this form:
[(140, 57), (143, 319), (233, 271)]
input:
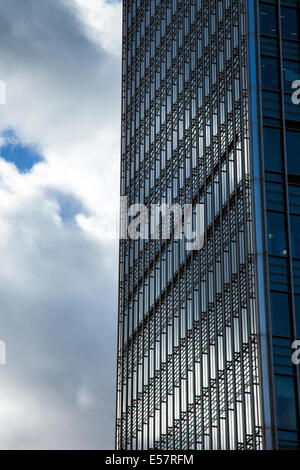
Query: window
[(289, 23), (268, 20), (291, 72), (271, 103), (288, 440), (270, 75), (280, 313), (295, 235), (275, 199), (279, 273), (294, 198), (276, 234), (293, 152), (297, 314), (285, 402), (282, 356), (272, 149)]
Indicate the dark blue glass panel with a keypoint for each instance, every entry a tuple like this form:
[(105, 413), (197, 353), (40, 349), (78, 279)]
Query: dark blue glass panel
[(280, 313), (291, 72), (289, 23), (294, 198), (271, 104), (295, 235), (285, 402), (268, 19), (270, 75), (277, 244), (293, 152), (297, 314), (275, 199), (272, 149), (278, 272)]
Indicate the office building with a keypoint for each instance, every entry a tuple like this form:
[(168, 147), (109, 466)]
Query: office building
[(208, 117)]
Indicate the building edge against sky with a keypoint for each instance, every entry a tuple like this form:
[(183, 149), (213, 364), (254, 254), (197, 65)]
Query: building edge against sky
[(204, 361), (275, 122)]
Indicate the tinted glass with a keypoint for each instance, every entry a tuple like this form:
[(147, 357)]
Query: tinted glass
[(268, 19), (270, 73), (285, 402), (297, 314), (280, 312), (293, 152), (291, 72), (276, 234), (295, 235), (289, 23), (272, 149)]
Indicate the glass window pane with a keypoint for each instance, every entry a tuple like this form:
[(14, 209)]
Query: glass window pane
[(278, 271), (288, 440), (268, 19), (280, 313), (277, 234), (271, 102), (272, 149), (289, 23), (294, 198), (270, 74), (297, 314), (292, 149), (274, 196), (295, 235), (285, 402), (291, 72)]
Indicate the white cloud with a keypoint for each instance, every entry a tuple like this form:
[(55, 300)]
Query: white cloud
[(102, 21), (58, 278)]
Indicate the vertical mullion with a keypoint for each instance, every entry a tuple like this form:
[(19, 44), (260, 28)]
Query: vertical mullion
[(120, 372), (236, 201)]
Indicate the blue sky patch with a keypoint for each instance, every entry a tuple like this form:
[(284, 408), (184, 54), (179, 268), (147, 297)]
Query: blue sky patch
[(23, 156), (69, 206)]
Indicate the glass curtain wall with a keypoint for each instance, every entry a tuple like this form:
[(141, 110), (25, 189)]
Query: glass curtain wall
[(280, 67), (188, 375)]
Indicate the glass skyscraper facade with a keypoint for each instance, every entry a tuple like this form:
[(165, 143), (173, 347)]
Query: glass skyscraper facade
[(204, 336), (279, 123)]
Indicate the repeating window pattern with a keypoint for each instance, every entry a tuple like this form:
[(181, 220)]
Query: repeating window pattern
[(280, 65), (188, 373)]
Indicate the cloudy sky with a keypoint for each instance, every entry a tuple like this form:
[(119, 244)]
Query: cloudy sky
[(59, 185)]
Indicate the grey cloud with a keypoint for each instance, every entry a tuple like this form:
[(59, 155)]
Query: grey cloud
[(58, 286), (58, 320), (57, 80)]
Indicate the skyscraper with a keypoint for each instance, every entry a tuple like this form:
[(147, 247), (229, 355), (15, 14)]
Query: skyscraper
[(205, 335)]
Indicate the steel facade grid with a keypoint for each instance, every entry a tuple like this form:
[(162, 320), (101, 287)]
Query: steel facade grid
[(187, 351)]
